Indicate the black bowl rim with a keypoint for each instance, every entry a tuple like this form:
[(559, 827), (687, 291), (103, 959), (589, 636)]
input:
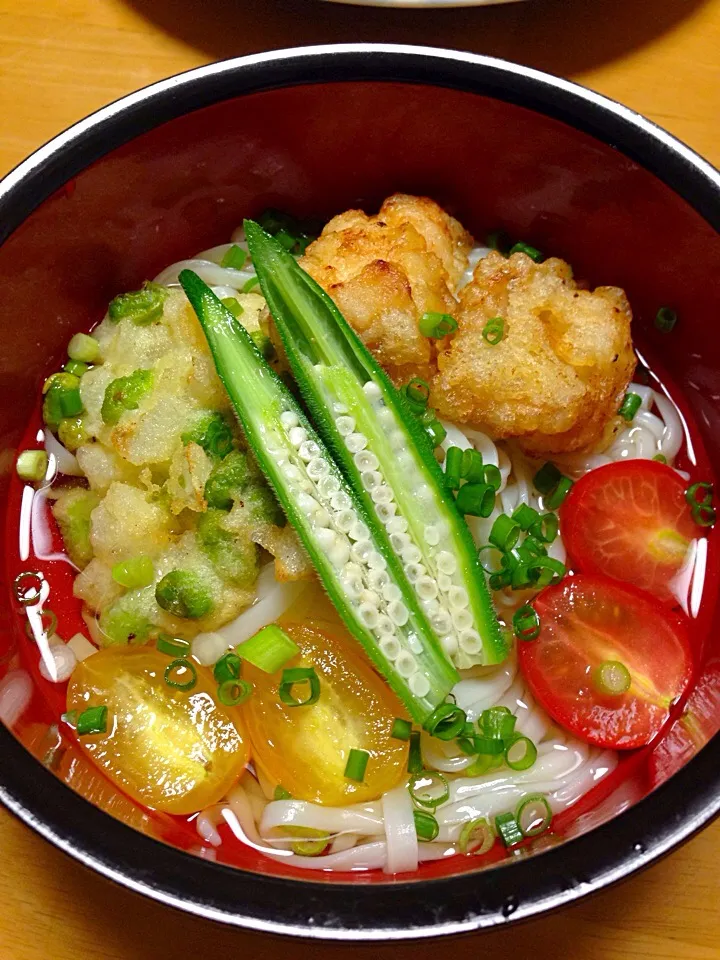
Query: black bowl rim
[(397, 910)]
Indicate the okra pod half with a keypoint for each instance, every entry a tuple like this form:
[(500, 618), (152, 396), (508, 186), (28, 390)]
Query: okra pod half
[(348, 548), (385, 453)]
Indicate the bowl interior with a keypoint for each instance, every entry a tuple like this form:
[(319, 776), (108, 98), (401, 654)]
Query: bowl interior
[(319, 149)]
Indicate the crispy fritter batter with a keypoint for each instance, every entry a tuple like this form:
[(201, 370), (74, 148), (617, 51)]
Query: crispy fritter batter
[(557, 377), (385, 271)]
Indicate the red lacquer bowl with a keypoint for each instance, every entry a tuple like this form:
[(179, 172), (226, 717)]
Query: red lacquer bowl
[(173, 169)]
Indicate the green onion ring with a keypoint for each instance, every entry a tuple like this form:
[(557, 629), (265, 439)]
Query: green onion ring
[(476, 838), (427, 779), (180, 664)]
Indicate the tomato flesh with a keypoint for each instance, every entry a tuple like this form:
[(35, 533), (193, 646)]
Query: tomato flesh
[(630, 520), (587, 620), (171, 750), (305, 749)]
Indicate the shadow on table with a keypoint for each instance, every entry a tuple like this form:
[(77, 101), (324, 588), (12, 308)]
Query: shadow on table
[(560, 36)]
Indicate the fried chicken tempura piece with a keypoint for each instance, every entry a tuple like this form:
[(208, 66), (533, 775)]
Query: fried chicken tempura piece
[(556, 379), (384, 272)]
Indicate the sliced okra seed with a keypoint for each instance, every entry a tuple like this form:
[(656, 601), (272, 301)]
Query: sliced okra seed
[(345, 426)]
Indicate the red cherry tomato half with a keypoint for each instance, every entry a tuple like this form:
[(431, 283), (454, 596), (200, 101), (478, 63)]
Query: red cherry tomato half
[(588, 621), (630, 520)]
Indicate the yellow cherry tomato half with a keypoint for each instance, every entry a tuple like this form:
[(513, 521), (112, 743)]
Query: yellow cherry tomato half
[(305, 749), (172, 750)]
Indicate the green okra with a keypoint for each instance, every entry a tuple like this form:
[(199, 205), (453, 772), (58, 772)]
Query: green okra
[(384, 452)]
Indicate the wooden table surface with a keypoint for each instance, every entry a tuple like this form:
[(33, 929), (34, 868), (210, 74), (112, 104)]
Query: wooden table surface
[(61, 59)]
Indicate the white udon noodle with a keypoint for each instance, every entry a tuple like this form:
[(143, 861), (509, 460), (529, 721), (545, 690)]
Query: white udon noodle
[(381, 834)]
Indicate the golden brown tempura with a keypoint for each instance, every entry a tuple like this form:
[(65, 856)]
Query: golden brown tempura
[(556, 379), (385, 271)]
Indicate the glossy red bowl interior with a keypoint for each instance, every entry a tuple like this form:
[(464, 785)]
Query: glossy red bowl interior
[(174, 170)]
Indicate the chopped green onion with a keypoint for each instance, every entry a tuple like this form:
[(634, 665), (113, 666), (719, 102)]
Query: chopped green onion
[(545, 528), (49, 629), (521, 575), (281, 793), (269, 649), (176, 669), (285, 239), (524, 516), (141, 307), (544, 571), (436, 431), (134, 573), (445, 722), (234, 257), (488, 746), (526, 623), (70, 402), (426, 826), (233, 305), (453, 467), (665, 319), (55, 388), (660, 458), (76, 367), (494, 331), (555, 499), (232, 693), (520, 753), (125, 393), (531, 821), (476, 837), (505, 532), (415, 761), (437, 325), (356, 765), (484, 763), (172, 646), (492, 475), (313, 843), (429, 788), (498, 240), (472, 466), (70, 717), (547, 478), (476, 499), (32, 465), (401, 729), (529, 251), (533, 547), (27, 587), (250, 284), (630, 406), (299, 675), (507, 826), (84, 348), (706, 491), (417, 394), (703, 514), (92, 720), (467, 741), (612, 678), (228, 667), (500, 580), (498, 723)]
